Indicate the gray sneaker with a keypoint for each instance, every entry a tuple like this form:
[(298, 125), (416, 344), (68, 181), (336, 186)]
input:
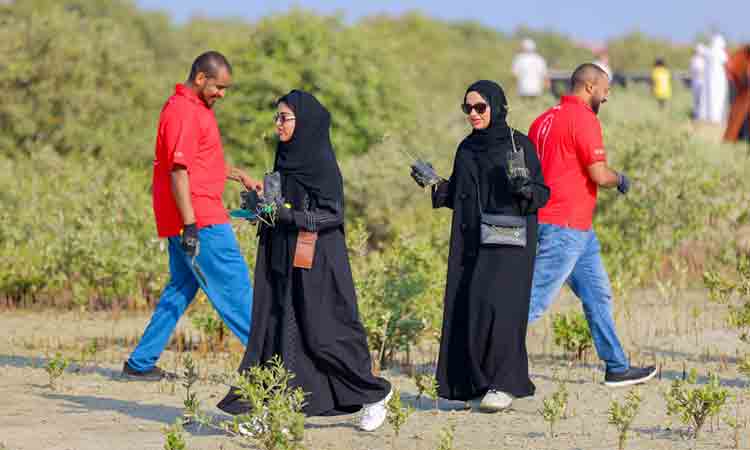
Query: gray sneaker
[(634, 375), (154, 374), (494, 401)]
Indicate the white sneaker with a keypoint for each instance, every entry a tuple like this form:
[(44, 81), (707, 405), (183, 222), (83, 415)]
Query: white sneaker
[(253, 427), (373, 414), (494, 401)]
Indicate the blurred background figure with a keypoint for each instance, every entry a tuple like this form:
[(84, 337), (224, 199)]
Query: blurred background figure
[(602, 60), (698, 82), (717, 85), (530, 71), (661, 82), (738, 71)]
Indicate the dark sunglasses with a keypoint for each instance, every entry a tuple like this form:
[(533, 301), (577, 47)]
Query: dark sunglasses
[(480, 108), (283, 118)]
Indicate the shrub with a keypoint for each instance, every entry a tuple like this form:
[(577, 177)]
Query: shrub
[(275, 420), (174, 440), (555, 407), (572, 332), (622, 415), (693, 406), (55, 369)]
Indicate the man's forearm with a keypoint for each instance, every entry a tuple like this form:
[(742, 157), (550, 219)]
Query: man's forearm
[(610, 179), (181, 193), (603, 176)]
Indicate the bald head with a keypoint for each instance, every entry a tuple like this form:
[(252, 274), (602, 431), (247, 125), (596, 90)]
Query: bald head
[(590, 83), (586, 74)]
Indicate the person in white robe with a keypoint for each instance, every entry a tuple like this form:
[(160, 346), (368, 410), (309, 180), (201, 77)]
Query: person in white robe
[(698, 82), (717, 84)]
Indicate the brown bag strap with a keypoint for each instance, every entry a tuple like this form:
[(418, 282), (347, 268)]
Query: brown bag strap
[(304, 253)]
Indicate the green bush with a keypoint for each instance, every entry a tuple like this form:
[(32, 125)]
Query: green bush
[(351, 75), (572, 332), (694, 406), (91, 92)]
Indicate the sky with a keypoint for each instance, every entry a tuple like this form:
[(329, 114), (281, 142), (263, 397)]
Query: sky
[(680, 21)]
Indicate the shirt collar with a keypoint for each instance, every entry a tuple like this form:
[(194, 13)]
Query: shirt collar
[(184, 91), (575, 100)]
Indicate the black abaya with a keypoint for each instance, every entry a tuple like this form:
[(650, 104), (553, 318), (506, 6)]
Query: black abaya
[(309, 316), (483, 344)]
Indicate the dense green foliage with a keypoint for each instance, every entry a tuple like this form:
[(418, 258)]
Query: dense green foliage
[(78, 120), (637, 52)]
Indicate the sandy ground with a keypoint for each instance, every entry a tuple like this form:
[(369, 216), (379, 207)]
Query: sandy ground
[(92, 408)]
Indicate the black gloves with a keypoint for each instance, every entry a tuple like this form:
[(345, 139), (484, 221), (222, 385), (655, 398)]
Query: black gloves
[(424, 174), (249, 200), (521, 186), (189, 241), (623, 183), (284, 214)]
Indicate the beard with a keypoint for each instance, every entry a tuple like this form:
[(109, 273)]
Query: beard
[(595, 104), (206, 100)]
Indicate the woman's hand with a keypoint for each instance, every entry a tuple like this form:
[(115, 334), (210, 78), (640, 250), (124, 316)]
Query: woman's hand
[(252, 184), (249, 182)]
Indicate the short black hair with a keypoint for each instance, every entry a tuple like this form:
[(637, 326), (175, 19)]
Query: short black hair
[(209, 63), (585, 73), (659, 62)]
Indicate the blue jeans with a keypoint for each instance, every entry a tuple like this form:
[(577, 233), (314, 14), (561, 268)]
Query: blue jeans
[(573, 256), (227, 286)]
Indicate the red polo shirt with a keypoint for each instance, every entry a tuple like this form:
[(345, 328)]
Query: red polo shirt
[(188, 135), (568, 139)]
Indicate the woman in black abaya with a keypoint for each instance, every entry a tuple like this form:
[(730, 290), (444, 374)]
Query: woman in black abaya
[(309, 316), (483, 345)]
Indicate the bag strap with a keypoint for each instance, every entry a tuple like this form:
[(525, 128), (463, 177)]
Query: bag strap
[(513, 140)]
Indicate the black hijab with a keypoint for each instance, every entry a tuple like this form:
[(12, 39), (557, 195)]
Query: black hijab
[(307, 166), (307, 160), (487, 149), (493, 95)]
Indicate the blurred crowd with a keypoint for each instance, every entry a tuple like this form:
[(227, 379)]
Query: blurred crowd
[(718, 79)]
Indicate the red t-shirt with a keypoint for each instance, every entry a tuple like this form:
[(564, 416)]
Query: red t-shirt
[(568, 139), (188, 135)]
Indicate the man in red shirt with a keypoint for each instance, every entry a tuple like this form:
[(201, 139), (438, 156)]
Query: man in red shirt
[(569, 143), (188, 184)]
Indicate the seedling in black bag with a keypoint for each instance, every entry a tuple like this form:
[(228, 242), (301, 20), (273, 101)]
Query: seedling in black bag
[(422, 171), (518, 173), (254, 207), (424, 174)]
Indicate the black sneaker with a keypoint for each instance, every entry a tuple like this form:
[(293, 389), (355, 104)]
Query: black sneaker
[(155, 374), (634, 375)]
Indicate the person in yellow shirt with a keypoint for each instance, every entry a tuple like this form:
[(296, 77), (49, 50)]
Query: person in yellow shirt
[(661, 82)]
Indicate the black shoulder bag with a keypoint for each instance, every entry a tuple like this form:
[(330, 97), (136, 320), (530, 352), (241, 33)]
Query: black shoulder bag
[(503, 229)]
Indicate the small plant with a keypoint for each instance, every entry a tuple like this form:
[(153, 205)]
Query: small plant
[(397, 412), (173, 437), (192, 412), (427, 386), (55, 368), (694, 406), (447, 436), (737, 422), (275, 420), (89, 352), (735, 293), (744, 366), (622, 415), (210, 326), (572, 332), (555, 407)]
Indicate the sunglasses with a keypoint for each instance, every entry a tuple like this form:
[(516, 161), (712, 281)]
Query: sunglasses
[(480, 108), (283, 118)]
